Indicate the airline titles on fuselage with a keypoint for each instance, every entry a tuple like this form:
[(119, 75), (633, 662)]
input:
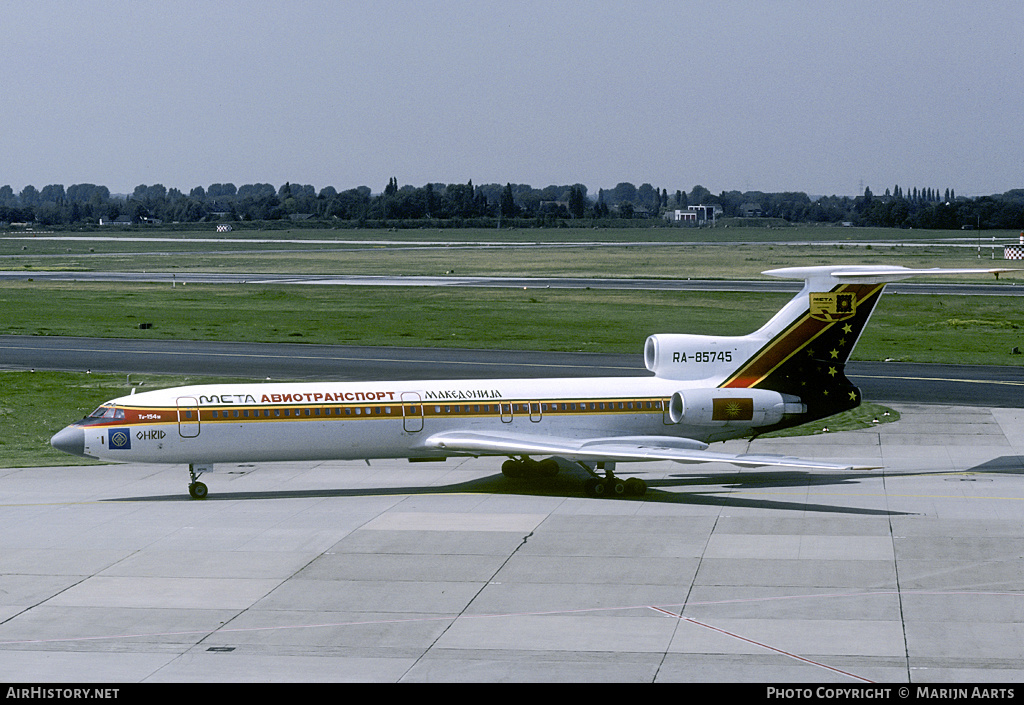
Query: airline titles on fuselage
[(314, 397), (294, 398), (463, 394)]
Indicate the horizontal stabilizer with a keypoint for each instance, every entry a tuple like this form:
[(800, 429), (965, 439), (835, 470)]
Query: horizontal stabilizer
[(869, 274)]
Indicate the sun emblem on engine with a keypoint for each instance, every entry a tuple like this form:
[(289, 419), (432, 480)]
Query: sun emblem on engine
[(739, 409)]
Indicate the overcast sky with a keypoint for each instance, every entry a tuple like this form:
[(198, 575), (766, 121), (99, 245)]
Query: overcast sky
[(769, 95)]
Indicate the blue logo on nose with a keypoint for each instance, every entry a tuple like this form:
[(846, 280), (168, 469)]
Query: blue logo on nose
[(120, 439)]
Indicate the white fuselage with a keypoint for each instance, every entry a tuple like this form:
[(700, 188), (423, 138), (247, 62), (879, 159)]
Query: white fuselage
[(316, 421)]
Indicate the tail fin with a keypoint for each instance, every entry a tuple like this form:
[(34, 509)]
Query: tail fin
[(802, 351), (808, 343)]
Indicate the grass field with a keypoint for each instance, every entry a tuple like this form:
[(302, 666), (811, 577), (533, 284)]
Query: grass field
[(958, 330)]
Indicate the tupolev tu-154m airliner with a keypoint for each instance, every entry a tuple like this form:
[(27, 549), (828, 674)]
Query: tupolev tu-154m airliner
[(704, 389)]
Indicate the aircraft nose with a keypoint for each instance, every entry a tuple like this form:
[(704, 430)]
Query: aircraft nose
[(70, 439)]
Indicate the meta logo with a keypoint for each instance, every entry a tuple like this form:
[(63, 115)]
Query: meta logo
[(120, 439), (150, 435), (830, 306)]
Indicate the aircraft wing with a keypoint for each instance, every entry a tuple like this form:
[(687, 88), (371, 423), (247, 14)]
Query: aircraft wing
[(615, 449)]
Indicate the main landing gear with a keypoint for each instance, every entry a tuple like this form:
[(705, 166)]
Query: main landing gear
[(197, 489), (526, 468), (597, 485), (611, 486)]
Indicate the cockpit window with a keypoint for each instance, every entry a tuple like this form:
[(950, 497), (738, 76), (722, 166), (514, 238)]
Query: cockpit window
[(107, 412)]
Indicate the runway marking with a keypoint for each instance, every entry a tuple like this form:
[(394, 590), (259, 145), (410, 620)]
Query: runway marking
[(763, 646)]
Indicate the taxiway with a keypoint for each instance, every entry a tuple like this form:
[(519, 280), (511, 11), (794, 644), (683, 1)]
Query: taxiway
[(884, 382), (451, 280)]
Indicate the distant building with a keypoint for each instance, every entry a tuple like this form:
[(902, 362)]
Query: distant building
[(751, 210), (706, 213), (224, 228), (682, 217)]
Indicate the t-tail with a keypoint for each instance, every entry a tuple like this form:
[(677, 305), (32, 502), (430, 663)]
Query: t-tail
[(796, 362)]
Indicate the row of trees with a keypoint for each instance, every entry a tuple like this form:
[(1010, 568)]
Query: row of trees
[(927, 209), (513, 204)]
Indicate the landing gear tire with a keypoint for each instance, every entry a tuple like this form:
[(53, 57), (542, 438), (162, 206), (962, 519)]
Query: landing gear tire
[(198, 490), (517, 469), (514, 469), (611, 486), (635, 487), (547, 468)]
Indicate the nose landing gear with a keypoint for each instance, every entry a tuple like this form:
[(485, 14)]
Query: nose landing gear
[(196, 489)]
